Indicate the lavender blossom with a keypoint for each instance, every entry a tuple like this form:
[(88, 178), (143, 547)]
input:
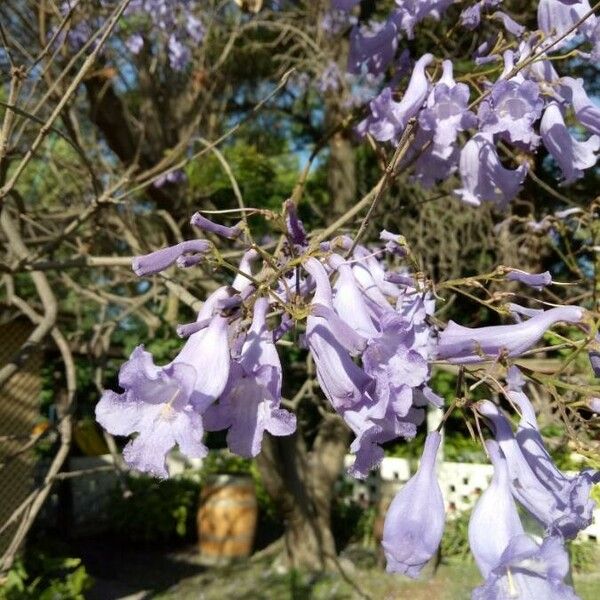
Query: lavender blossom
[(463, 345), (375, 424), (388, 118), (415, 519), (135, 43), (561, 504), (556, 17), (446, 112), (509, 24), (330, 78), (528, 571), (205, 224), (395, 244), (164, 404), (394, 366), (572, 156), (586, 112), (345, 5), (250, 403), (158, 261), (494, 520), (343, 382), (470, 17), (294, 225), (535, 280), (373, 49), (511, 110), (409, 13), (483, 177), (349, 301), (179, 55), (173, 177), (594, 355)]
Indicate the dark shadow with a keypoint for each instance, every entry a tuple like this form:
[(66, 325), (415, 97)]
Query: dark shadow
[(121, 569)]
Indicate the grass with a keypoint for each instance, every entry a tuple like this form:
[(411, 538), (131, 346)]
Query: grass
[(258, 581)]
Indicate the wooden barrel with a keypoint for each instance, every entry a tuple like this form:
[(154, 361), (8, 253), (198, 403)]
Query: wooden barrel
[(227, 517)]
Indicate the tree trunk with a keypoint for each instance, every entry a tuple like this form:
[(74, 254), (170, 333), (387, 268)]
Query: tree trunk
[(301, 483), (341, 174)]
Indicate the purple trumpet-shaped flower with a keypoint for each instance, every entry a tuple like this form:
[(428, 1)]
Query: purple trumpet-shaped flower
[(446, 112), (586, 111), (494, 520), (409, 14), (179, 55), (372, 50), (348, 300), (414, 523), (509, 23), (205, 224), (556, 17), (240, 282), (463, 345), (388, 118), (344, 383), (367, 264), (395, 244), (376, 424), (470, 17), (528, 571), (158, 261), (594, 355), (577, 489), (572, 156), (174, 177), (294, 225), (135, 43), (483, 177), (195, 28), (156, 405), (164, 404), (511, 110), (250, 403), (395, 367), (345, 5), (561, 504), (594, 405), (535, 280)]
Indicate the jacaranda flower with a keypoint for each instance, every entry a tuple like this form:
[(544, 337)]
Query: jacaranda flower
[(572, 156), (414, 523), (494, 520), (462, 345)]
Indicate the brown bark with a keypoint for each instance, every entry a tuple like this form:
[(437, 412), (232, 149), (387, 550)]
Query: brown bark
[(341, 173), (109, 114), (301, 483)]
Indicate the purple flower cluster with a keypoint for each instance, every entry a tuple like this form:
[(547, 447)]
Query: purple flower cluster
[(173, 24), (524, 108), (175, 21), (367, 333), (513, 564)]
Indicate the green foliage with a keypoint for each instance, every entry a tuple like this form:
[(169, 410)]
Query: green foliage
[(155, 510), (463, 448), (265, 181), (583, 556), (43, 577), (350, 522), (223, 462), (455, 541)]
